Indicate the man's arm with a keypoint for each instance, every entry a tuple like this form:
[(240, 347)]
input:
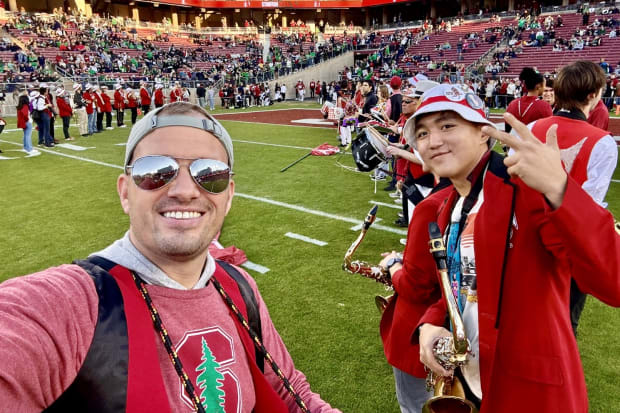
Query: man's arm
[(603, 161), (47, 322)]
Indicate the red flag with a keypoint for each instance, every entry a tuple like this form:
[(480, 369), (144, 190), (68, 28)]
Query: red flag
[(325, 150)]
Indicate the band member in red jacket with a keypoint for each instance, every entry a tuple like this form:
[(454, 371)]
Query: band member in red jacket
[(132, 104), (99, 106), (119, 105), (159, 95), (145, 97), (176, 93), (89, 100), (107, 107), (64, 111)]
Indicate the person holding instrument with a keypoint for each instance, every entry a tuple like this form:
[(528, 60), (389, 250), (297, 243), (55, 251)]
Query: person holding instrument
[(152, 323), (515, 229)]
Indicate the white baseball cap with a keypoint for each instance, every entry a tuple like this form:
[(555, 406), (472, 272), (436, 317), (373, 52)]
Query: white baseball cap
[(76, 86), (457, 98), (117, 86)]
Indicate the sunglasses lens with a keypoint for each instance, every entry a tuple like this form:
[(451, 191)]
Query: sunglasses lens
[(153, 172), (213, 176)]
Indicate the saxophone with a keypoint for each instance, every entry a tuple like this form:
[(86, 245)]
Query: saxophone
[(374, 272), (450, 352)]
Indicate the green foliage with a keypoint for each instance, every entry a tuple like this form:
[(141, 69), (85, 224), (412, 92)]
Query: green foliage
[(211, 381), (57, 209)]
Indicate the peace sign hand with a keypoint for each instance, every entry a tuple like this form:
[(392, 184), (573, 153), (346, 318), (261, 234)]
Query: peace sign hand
[(537, 164)]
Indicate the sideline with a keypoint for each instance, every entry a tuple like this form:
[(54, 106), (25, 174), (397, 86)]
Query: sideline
[(242, 195)]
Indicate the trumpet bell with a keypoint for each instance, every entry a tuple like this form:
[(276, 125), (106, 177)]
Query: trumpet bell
[(449, 398), (382, 302)]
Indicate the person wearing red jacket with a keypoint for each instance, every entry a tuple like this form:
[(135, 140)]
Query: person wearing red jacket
[(24, 122), (517, 229), (89, 100), (64, 111), (176, 93), (530, 107), (132, 104), (145, 98), (99, 107), (159, 95), (599, 116), (119, 105), (107, 107)]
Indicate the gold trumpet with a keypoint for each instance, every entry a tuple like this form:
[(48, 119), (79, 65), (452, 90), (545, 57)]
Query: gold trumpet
[(374, 272), (450, 352)]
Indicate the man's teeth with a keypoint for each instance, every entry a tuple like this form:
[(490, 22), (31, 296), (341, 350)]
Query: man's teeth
[(181, 215)]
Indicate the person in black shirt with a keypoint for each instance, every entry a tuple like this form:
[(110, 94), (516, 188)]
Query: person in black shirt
[(396, 100), (370, 100)]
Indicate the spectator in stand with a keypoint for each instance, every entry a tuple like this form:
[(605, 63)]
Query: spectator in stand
[(529, 108), (107, 107), (64, 111), (25, 122), (145, 97), (132, 104), (119, 105), (80, 109), (158, 96)]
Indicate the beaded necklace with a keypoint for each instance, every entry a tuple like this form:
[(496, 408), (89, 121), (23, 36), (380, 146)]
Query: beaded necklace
[(176, 362)]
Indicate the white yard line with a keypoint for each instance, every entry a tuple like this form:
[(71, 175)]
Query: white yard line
[(278, 124), (393, 206), (274, 144), (305, 239), (255, 267)]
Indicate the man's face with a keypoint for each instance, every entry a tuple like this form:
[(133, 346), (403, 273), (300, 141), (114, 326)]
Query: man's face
[(548, 95), (449, 145), (409, 105), (170, 239), (365, 88)]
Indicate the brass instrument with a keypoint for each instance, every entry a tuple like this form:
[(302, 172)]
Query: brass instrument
[(450, 352), (375, 272)]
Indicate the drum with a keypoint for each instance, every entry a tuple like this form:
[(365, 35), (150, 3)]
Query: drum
[(368, 151), (335, 113), (325, 109)]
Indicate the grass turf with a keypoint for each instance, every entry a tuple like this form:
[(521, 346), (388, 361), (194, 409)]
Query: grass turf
[(57, 209)]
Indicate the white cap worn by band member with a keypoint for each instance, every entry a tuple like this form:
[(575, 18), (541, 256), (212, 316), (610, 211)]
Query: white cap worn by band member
[(457, 98), (152, 121)]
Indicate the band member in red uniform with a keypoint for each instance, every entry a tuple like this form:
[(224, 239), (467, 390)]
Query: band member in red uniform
[(99, 107), (528, 108), (145, 98), (119, 105), (311, 87), (176, 93), (64, 111), (89, 99), (516, 229), (589, 153), (132, 104), (107, 107), (159, 95)]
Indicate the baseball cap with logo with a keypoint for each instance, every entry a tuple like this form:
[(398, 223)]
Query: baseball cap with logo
[(457, 98)]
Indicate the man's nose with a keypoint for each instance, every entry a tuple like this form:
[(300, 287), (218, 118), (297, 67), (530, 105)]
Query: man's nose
[(184, 187)]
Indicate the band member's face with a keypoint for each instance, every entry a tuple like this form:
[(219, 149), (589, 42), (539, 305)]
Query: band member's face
[(409, 105), (161, 237), (449, 145), (548, 95)]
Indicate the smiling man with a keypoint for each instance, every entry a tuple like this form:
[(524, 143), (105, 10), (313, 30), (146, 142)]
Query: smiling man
[(152, 322), (515, 230)]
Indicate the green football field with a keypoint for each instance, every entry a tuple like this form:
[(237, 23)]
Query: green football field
[(62, 205)]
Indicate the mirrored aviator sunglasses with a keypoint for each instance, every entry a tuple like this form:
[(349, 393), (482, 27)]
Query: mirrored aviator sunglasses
[(156, 171)]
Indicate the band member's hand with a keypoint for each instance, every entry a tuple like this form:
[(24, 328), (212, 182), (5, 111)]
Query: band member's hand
[(428, 336), (538, 164), (393, 150), (388, 256)]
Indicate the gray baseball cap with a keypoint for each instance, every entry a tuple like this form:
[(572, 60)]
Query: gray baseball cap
[(152, 121)]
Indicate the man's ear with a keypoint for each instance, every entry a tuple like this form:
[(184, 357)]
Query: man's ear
[(122, 187)]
